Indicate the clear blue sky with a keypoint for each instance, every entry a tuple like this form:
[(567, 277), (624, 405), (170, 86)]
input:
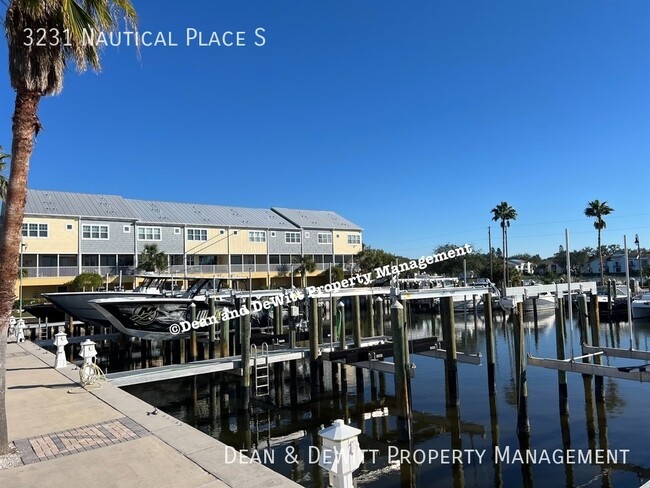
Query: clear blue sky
[(412, 119)]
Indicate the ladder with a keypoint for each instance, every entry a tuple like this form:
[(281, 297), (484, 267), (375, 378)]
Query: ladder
[(261, 369)]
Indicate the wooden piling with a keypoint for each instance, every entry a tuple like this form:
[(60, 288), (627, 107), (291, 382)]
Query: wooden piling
[(560, 336), (333, 324), (371, 312), (356, 318), (245, 355), (379, 305), (401, 372), (194, 350), (451, 364), (238, 328), (609, 298), (277, 320), (224, 338), (523, 423), (594, 321), (212, 349), (340, 310), (313, 343), (489, 344), (535, 318)]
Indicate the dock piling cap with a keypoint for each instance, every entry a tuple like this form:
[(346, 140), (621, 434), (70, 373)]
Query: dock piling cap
[(396, 304), (339, 431)]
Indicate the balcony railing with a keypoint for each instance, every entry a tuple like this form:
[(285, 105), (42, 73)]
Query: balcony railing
[(50, 272)]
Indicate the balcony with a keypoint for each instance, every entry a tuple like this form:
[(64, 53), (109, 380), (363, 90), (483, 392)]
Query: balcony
[(67, 271), (51, 272)]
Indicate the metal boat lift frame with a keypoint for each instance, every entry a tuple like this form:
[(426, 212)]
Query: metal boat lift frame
[(639, 373)]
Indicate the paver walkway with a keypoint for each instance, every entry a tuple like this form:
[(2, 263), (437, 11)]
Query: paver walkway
[(105, 437)]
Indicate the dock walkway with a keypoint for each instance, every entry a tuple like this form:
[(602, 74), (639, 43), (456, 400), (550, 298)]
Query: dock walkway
[(106, 437)]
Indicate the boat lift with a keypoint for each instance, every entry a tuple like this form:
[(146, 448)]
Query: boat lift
[(639, 373)]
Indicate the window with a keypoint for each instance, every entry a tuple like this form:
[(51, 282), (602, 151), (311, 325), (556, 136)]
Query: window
[(68, 227), (292, 237), (149, 233), (197, 234), (256, 236), (177, 230), (324, 238), (126, 229), (354, 239), (235, 232), (94, 231), (35, 230), (222, 232), (306, 235)]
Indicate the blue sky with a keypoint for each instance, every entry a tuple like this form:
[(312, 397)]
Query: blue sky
[(412, 119)]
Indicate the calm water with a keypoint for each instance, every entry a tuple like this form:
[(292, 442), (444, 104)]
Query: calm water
[(283, 428)]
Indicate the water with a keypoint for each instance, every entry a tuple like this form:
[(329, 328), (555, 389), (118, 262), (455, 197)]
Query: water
[(282, 432)]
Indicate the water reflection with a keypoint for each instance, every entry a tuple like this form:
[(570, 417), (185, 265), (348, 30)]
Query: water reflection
[(291, 416)]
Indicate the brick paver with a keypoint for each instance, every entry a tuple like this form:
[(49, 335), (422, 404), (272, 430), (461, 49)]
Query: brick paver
[(80, 439)]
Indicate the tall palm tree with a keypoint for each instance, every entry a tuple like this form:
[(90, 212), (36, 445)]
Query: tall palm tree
[(36, 71), (505, 213), (150, 259), (3, 180), (597, 209)]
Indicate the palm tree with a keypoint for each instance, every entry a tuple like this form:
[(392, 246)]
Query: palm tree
[(3, 180), (36, 71), (150, 259), (505, 213), (597, 209), (307, 265)]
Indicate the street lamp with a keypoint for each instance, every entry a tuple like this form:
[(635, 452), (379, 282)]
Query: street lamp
[(638, 257), (23, 246)]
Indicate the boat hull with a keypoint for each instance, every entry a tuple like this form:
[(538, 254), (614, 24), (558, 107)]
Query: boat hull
[(641, 309), (77, 304), (156, 318), (46, 312)]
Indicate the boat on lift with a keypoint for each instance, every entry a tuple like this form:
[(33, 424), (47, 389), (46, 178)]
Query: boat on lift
[(165, 318), (77, 303)]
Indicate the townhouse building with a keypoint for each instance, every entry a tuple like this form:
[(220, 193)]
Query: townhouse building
[(65, 234)]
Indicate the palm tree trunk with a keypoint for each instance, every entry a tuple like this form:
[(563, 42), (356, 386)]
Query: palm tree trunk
[(600, 258), (25, 122), (505, 262)]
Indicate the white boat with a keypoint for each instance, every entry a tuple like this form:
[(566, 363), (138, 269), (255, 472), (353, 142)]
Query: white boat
[(641, 307), (77, 303), (545, 301)]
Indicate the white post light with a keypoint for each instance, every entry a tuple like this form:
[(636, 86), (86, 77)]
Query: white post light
[(60, 341), (20, 330), (87, 372), (341, 454)]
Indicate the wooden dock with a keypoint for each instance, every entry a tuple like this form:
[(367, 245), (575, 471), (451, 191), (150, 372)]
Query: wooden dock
[(174, 371)]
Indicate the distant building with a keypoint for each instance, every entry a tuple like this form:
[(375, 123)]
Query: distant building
[(615, 264), (548, 266), (525, 267), (65, 234)]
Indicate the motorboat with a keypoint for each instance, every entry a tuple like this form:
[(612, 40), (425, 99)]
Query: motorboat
[(163, 318), (641, 307), (76, 304), (545, 301)]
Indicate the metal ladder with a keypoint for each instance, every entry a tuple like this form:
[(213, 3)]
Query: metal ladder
[(261, 369)]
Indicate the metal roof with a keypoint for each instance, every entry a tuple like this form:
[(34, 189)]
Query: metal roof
[(211, 215), (42, 202), (46, 203), (316, 219)]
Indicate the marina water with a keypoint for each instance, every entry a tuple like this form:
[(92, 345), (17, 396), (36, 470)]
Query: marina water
[(282, 429)]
